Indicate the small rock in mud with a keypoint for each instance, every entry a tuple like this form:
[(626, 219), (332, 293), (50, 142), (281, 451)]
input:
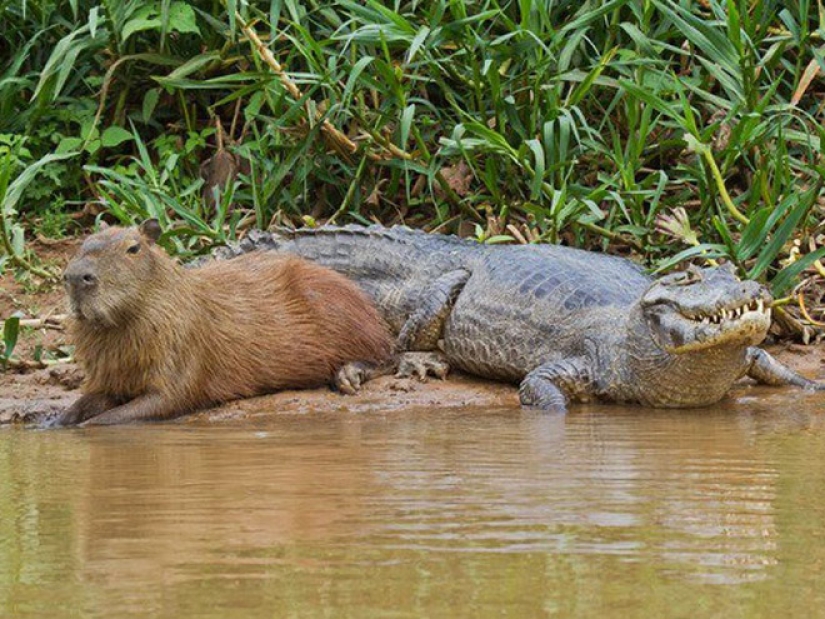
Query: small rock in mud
[(69, 376), (35, 411), (404, 385)]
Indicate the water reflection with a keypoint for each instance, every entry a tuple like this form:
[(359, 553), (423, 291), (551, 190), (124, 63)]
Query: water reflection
[(420, 512)]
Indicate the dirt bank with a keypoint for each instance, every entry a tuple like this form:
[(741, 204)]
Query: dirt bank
[(38, 395)]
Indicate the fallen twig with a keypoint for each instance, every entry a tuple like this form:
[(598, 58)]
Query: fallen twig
[(28, 365), (56, 322), (337, 139)]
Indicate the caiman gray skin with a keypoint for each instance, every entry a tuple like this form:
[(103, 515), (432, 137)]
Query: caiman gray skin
[(569, 325)]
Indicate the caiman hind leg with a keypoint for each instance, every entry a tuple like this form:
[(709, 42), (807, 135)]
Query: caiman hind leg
[(422, 364), (763, 368), (350, 377), (552, 385), (417, 341)]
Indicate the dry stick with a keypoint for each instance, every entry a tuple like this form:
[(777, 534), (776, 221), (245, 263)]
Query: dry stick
[(790, 323), (25, 364), (48, 322), (517, 233), (613, 236), (338, 140), (449, 192), (804, 310), (19, 260)]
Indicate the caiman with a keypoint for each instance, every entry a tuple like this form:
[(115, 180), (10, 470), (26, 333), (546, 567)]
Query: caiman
[(567, 324)]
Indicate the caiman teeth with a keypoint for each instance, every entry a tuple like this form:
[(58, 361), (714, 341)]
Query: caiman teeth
[(724, 314)]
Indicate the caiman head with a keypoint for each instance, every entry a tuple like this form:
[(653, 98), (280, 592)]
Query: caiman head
[(699, 309)]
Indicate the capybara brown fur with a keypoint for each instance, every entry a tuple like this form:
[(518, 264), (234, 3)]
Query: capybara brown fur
[(157, 340)]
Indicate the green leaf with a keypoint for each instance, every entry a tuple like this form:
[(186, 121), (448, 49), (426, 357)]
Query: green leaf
[(67, 145), (61, 62), (589, 13), (93, 19), (784, 232), (417, 43), (18, 239), (538, 177), (145, 18), (16, 187), (193, 65), (150, 102), (653, 101), (182, 18), (708, 39), (785, 278), (754, 233), (115, 135), (705, 250), (406, 123), (11, 329), (356, 70)]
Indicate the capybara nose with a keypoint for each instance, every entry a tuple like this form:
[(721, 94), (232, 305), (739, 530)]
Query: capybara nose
[(80, 278)]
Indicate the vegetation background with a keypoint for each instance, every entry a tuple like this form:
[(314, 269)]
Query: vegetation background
[(670, 130)]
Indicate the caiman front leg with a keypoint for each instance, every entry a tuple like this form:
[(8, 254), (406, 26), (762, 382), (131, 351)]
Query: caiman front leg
[(552, 385), (763, 368), (417, 341)]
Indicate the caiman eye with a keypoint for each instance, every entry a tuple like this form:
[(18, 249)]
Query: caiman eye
[(685, 278), (133, 249)]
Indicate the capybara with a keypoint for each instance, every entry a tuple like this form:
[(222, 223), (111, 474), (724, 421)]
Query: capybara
[(157, 340)]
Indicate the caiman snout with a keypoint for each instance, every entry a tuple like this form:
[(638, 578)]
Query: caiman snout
[(750, 289)]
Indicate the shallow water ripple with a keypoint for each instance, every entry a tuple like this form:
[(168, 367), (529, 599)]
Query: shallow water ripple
[(607, 511)]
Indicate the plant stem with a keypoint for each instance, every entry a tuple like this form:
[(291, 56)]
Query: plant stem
[(720, 185)]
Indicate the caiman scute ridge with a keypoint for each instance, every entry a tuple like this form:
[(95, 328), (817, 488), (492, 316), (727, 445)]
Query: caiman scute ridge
[(567, 324)]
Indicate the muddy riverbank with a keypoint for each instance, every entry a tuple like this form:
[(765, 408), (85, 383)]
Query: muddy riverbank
[(35, 396)]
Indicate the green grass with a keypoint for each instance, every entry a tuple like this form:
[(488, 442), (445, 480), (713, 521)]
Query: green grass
[(673, 130)]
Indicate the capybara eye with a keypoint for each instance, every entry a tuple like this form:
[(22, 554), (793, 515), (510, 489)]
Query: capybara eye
[(134, 248)]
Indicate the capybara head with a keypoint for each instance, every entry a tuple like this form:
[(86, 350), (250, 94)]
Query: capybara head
[(111, 273)]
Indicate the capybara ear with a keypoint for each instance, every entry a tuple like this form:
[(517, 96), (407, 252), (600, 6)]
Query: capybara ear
[(151, 229)]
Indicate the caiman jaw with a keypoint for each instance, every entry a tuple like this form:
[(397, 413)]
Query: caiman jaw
[(679, 332), (725, 315)]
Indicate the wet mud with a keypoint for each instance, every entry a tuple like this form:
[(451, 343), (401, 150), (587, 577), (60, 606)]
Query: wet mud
[(36, 397)]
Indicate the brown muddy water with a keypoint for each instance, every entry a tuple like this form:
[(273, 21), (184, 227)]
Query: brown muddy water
[(473, 512)]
